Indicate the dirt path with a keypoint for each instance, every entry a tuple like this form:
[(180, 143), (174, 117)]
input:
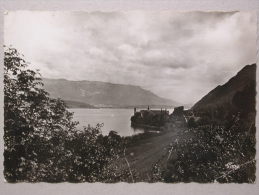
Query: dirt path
[(146, 152)]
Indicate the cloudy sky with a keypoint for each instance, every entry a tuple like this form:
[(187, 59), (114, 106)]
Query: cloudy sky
[(177, 55)]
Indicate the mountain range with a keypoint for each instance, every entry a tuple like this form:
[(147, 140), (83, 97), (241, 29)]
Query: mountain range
[(238, 91), (103, 94)]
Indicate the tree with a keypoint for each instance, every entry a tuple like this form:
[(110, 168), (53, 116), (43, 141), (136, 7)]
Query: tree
[(42, 142), (29, 114)]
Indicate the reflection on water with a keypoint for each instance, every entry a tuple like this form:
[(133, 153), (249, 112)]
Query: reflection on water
[(113, 119)]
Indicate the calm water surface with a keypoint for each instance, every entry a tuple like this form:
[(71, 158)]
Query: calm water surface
[(113, 119)]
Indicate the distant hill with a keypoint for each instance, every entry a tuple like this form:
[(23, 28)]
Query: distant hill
[(74, 104), (103, 94), (237, 92)]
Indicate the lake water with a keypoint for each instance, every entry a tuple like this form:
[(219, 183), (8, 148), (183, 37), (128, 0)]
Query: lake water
[(113, 119)]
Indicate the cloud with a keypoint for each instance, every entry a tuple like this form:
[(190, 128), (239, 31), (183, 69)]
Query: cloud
[(178, 55)]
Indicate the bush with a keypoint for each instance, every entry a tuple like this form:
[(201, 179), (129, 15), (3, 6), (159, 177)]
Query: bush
[(214, 153)]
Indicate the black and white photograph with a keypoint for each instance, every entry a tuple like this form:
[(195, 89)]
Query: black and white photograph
[(130, 96)]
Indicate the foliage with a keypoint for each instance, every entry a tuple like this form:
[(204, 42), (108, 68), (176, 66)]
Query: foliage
[(42, 142), (218, 153), (219, 147)]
